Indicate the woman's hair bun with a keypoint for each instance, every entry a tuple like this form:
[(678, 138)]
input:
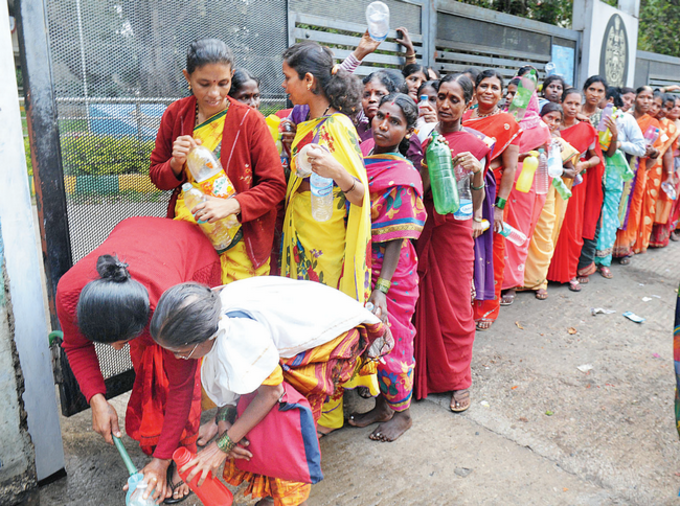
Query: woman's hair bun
[(109, 267)]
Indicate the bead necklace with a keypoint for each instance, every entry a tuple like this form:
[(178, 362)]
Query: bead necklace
[(475, 113)]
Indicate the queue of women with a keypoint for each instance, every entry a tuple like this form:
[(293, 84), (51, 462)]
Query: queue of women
[(209, 329)]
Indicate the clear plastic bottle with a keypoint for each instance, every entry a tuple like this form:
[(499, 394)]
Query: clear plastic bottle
[(138, 488), (578, 179), (542, 180), (378, 20), (669, 189), (550, 68), (525, 88), (603, 132), (217, 232), (516, 237), (464, 211), (442, 179), (526, 177), (651, 135), (555, 165), (210, 177), (322, 197)]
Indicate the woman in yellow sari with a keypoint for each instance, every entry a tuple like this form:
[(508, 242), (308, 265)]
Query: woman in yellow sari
[(332, 252)]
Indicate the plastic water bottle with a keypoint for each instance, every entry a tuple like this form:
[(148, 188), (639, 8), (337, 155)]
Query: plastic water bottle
[(218, 232), (213, 492), (578, 179), (378, 20), (525, 89), (137, 489), (555, 166), (485, 225), (669, 189), (464, 212), (210, 177), (516, 237), (561, 188), (651, 135), (603, 132), (550, 68), (526, 177), (322, 197), (442, 179), (542, 179)]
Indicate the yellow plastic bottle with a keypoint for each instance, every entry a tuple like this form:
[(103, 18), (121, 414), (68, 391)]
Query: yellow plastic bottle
[(526, 178)]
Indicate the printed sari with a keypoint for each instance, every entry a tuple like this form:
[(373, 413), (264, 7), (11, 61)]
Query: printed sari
[(335, 252), (665, 207), (235, 261), (564, 263), (445, 326), (397, 213), (506, 131), (676, 359)]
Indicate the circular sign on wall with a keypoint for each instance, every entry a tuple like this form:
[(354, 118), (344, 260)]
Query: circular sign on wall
[(615, 52)]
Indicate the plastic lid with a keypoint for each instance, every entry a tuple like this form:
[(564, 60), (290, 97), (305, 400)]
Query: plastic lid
[(541, 150), (423, 97), (186, 187)]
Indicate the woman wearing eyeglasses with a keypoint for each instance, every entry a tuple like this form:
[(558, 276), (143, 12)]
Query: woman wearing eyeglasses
[(109, 297)]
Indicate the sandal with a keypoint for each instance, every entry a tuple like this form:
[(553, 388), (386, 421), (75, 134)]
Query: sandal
[(605, 272), (574, 285), (675, 236), (626, 260), (173, 486), (541, 294), (460, 400), (582, 274), (508, 297)]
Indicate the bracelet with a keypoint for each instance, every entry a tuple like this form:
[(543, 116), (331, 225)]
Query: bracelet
[(477, 187), (410, 57), (354, 185), (500, 203), (225, 443), (383, 285), (226, 414), (477, 220)]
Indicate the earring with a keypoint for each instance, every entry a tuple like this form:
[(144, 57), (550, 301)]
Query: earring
[(309, 87), (189, 87)]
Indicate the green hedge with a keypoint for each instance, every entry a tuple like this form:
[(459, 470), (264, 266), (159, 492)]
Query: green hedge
[(96, 155)]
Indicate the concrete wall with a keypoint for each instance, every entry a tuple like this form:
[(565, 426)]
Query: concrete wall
[(17, 465)]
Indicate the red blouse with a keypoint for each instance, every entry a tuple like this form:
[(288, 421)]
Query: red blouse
[(248, 156), (161, 253)]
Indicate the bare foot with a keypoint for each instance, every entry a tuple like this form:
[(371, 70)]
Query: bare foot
[(393, 428), (206, 432), (380, 413)]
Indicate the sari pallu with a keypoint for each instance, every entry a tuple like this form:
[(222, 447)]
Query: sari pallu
[(506, 131), (630, 208), (397, 213), (667, 136), (445, 327), (525, 208), (564, 263)]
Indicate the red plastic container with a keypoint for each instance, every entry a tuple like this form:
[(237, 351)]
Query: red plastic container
[(213, 492)]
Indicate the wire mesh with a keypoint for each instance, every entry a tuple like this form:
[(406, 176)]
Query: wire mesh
[(116, 66)]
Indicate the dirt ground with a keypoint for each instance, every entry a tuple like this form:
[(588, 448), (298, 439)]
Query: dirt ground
[(567, 409)]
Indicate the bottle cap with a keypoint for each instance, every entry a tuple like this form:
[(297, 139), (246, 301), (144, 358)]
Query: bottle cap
[(423, 97)]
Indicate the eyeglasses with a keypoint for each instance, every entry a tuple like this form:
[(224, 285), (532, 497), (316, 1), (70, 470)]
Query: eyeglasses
[(187, 357)]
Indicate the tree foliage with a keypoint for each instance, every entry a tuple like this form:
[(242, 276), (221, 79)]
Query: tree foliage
[(660, 26)]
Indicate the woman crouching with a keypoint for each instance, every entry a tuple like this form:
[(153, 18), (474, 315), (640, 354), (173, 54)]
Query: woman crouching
[(261, 335)]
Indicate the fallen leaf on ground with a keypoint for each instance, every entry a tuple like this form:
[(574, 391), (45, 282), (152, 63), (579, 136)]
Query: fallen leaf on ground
[(519, 325), (523, 419), (572, 330), (564, 489), (549, 413), (515, 387)]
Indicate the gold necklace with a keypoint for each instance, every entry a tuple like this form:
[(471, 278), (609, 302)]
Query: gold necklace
[(495, 110)]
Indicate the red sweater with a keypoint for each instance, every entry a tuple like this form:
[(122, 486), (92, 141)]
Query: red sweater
[(161, 253), (248, 156)]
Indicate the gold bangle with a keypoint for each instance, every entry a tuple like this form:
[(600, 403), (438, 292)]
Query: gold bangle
[(383, 285)]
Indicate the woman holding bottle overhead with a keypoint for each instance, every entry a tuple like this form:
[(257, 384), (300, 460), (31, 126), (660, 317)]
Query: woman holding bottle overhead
[(334, 251), (445, 326), (239, 138), (488, 119), (582, 136)]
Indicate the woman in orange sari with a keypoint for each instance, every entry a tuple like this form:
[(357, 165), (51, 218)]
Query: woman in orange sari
[(631, 208), (489, 120), (582, 136)]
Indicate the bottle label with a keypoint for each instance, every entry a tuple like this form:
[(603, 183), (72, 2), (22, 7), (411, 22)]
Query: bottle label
[(218, 186), (322, 191)]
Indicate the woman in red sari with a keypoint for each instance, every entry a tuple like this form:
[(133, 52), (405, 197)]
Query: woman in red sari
[(397, 217), (489, 120), (101, 299), (631, 209), (444, 319), (583, 137)]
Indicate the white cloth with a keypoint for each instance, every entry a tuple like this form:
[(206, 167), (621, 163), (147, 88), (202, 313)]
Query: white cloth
[(289, 317), (630, 136)]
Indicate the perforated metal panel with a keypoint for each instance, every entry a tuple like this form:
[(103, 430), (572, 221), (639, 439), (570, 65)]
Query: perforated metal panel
[(116, 66)]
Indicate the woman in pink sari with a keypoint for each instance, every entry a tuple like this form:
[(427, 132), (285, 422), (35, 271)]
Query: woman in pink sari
[(397, 216), (526, 207)]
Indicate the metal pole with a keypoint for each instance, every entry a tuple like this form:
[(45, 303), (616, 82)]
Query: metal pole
[(18, 234), (83, 64)]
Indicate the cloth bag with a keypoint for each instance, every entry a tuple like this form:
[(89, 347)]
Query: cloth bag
[(284, 444)]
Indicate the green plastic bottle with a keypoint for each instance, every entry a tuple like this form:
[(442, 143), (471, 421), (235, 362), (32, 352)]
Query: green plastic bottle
[(561, 188), (525, 88), (442, 178)]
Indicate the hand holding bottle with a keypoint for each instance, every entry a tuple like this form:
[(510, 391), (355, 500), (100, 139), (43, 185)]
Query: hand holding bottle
[(323, 163), (468, 162), (215, 209), (180, 150)]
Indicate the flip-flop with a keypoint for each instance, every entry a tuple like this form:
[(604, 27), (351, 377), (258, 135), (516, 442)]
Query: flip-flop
[(541, 294), (574, 285), (464, 396), (626, 260), (605, 272), (507, 299), (483, 328), (173, 486)]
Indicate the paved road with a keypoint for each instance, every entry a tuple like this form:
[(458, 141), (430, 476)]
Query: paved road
[(610, 439)]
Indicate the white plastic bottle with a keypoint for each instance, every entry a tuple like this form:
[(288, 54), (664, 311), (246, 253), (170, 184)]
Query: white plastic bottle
[(464, 195), (137, 496), (555, 166), (378, 20), (218, 232), (541, 180), (322, 197), (516, 237)]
